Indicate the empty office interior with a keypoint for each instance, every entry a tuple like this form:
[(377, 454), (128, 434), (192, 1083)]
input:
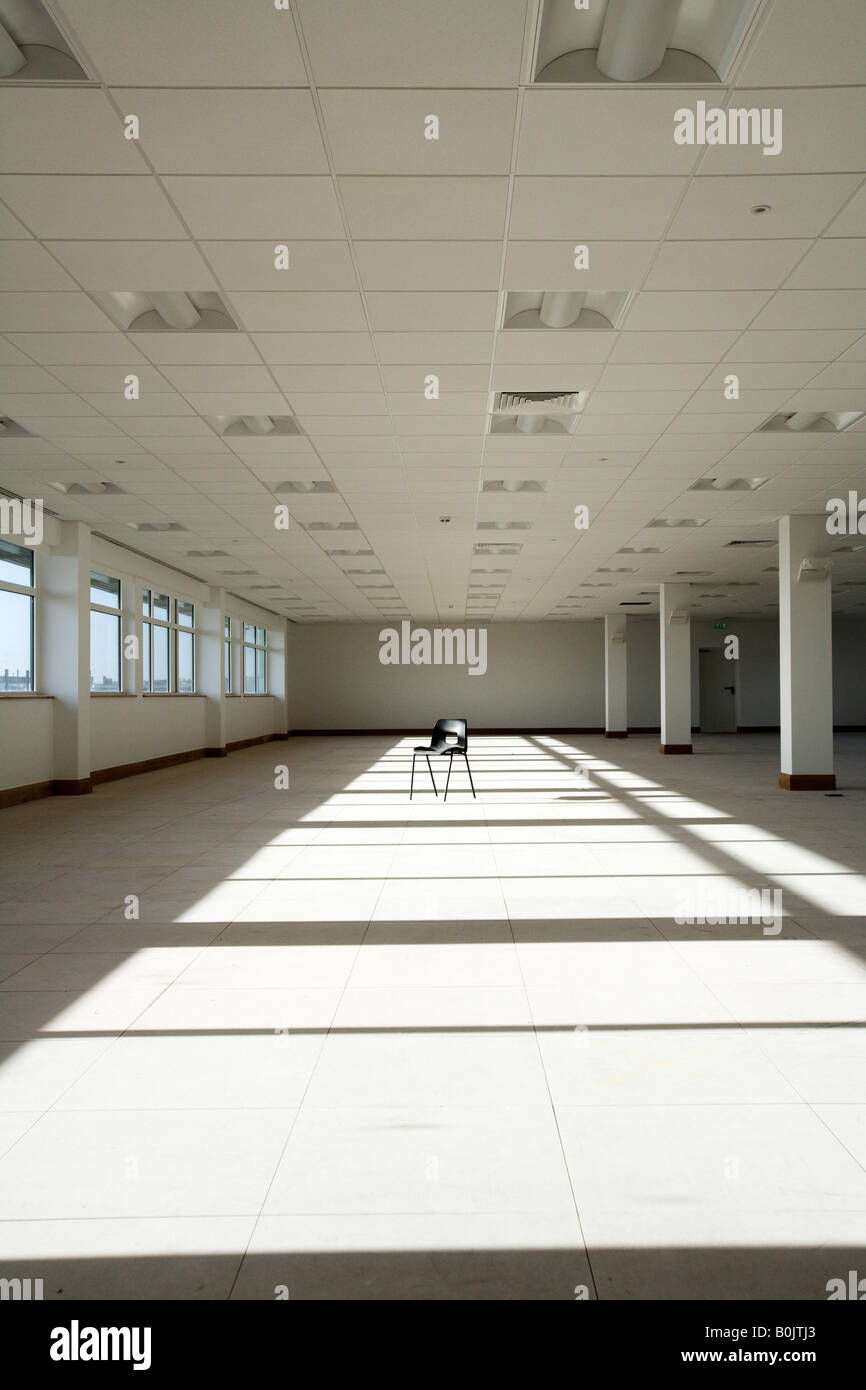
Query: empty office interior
[(370, 363)]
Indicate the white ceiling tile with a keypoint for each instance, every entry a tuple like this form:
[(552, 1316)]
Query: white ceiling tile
[(549, 265), (133, 265), (24, 265), (800, 206), (724, 265), (301, 349), (465, 348), (604, 131), (831, 265), (250, 265), (807, 114), (305, 378), (515, 347), (78, 377), (672, 346), (431, 312), (207, 43), (34, 312), (383, 132), (406, 43), (431, 265), (91, 206), (255, 208), (27, 378), (546, 209), (228, 132), (223, 349), (424, 208), (232, 379), (45, 130), (792, 49), (58, 348), (10, 227), (303, 311), (808, 309), (791, 345), (694, 309)]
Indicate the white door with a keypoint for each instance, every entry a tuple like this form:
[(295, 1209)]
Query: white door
[(718, 687)]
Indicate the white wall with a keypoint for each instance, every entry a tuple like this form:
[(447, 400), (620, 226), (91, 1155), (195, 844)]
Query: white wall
[(135, 729), (539, 675), (26, 741), (250, 718)]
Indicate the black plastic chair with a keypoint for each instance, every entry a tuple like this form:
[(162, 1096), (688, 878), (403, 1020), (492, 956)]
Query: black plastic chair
[(439, 747)]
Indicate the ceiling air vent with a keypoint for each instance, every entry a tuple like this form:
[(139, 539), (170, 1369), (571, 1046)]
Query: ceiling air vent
[(504, 526), (205, 554), (332, 526), (640, 40), (156, 526), (811, 421), (664, 521), (635, 603), (535, 412), (10, 429), (486, 548), (171, 311), (254, 427), (32, 47), (348, 552), (565, 310), (639, 550)]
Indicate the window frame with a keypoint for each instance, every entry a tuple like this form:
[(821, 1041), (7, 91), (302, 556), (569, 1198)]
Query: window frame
[(110, 612), (26, 591), (256, 646), (174, 628)]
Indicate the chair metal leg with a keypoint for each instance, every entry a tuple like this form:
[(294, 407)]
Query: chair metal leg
[(471, 783), (448, 779), (432, 778), (412, 782)]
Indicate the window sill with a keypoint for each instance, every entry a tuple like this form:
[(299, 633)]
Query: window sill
[(23, 695), (172, 695), (111, 695)]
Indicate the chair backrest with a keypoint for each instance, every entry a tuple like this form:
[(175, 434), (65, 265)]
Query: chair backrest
[(443, 727)]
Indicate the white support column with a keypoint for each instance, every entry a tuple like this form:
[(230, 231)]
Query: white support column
[(64, 653), (210, 671), (615, 676), (805, 655), (675, 642), (278, 675)]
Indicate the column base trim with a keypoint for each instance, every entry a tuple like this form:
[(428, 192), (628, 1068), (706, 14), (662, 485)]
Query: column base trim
[(616, 733), (807, 781), (675, 748), (216, 752), (72, 786)]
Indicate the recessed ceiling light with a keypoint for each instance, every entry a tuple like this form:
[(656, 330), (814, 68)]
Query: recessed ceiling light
[(761, 207)]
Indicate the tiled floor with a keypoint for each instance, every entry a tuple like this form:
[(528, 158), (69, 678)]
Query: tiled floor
[(330, 1043)]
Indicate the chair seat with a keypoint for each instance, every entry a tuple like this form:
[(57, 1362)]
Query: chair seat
[(420, 748)]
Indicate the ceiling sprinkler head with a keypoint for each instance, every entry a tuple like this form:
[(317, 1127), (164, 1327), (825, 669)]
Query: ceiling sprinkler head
[(445, 520)]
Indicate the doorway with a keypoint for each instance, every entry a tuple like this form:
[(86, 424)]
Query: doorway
[(718, 692)]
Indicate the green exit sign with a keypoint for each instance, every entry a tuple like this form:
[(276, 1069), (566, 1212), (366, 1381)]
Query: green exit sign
[(720, 625)]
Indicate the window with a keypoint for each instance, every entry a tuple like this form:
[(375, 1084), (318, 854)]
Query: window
[(17, 592), (255, 660), (105, 634), (168, 644), (227, 662)]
